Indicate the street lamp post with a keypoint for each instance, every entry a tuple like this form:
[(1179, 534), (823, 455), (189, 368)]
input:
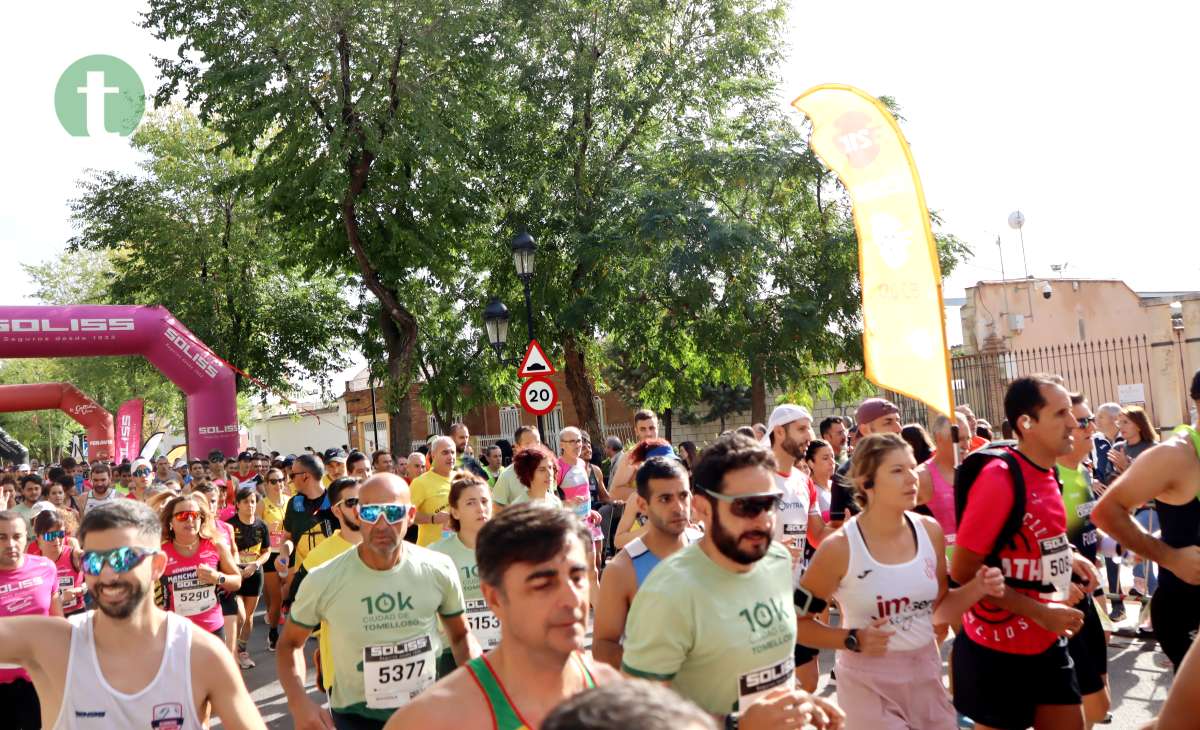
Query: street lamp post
[(495, 315)]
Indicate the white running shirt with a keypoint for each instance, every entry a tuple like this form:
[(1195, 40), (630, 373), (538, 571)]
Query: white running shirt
[(90, 702), (904, 592)]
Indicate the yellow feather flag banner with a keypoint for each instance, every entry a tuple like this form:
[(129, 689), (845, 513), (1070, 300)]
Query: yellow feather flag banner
[(904, 327)]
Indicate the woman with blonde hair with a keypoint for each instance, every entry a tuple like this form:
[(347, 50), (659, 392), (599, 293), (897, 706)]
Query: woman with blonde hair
[(886, 568), (196, 564)]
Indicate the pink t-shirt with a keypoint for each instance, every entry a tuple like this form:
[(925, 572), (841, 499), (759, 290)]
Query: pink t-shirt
[(26, 591), (69, 577), (1043, 530), (185, 594), (941, 503)]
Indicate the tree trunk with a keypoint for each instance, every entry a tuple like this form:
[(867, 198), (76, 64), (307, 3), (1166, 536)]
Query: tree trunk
[(397, 393), (667, 422), (758, 391), (581, 388)]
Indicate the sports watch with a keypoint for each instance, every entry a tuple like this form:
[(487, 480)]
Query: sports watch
[(851, 640)]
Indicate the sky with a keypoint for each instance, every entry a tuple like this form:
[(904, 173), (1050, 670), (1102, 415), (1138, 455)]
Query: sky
[(1076, 114)]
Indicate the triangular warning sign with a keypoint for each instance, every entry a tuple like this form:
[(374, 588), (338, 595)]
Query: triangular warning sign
[(535, 362)]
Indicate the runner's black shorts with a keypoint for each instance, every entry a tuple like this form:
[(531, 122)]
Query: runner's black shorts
[(1174, 614), (1004, 690), (804, 654), (22, 710), (1088, 649), (252, 586), (269, 566), (229, 602)]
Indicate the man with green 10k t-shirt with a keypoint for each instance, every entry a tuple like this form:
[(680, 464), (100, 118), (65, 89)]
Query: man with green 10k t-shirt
[(716, 619), (381, 602)]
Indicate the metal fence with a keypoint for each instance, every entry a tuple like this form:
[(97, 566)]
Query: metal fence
[(1100, 369)]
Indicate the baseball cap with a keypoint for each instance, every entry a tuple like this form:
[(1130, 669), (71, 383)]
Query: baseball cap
[(23, 467), (784, 414), (335, 454), (874, 408), (664, 451), (245, 456), (179, 463)]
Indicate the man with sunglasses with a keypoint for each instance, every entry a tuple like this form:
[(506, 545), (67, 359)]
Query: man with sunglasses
[(28, 587), (381, 603), (717, 619), (1088, 649), (127, 663), (344, 495)]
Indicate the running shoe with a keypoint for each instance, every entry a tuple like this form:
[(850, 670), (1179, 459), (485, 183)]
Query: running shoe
[(272, 638), (244, 661)]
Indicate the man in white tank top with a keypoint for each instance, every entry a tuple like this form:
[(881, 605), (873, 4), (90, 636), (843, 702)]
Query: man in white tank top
[(127, 664), (102, 491)]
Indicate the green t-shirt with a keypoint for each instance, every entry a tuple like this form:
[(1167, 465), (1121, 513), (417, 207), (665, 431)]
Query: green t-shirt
[(551, 499), (393, 612), (715, 635), (430, 495), (508, 487), (480, 618), (1078, 499)]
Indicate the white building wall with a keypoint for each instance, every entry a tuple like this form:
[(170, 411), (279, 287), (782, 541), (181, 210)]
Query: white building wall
[(290, 434)]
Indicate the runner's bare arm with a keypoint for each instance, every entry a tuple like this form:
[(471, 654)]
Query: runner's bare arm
[(291, 667), (612, 607), (56, 604), (924, 484), (462, 642), (23, 638), (1183, 702), (1152, 476), (225, 691), (622, 482), (953, 602), (602, 492), (1052, 616), (623, 534), (817, 529), (824, 573), (228, 567)]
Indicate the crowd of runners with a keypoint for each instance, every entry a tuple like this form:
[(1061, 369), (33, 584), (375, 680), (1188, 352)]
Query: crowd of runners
[(659, 587)]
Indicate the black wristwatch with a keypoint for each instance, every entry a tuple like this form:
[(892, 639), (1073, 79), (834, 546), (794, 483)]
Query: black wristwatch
[(221, 580), (851, 640)]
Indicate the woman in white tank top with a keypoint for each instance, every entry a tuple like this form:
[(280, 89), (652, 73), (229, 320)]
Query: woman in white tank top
[(886, 568)]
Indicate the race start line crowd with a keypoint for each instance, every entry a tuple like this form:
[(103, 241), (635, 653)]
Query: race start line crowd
[(668, 589)]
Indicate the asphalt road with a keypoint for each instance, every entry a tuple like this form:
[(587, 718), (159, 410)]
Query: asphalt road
[(1139, 676)]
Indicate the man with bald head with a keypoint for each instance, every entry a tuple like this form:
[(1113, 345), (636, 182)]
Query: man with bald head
[(414, 466), (431, 493), (381, 602)]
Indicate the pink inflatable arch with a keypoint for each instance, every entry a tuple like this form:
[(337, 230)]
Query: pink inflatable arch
[(72, 401), (154, 333)]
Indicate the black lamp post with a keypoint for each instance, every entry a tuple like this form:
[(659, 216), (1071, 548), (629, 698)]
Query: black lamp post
[(495, 315)]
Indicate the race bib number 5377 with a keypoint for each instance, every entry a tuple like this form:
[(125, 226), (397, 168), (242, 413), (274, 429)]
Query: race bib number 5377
[(393, 674)]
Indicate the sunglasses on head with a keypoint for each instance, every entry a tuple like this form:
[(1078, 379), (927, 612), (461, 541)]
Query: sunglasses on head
[(54, 535), (393, 513), (121, 560), (185, 515), (749, 506)]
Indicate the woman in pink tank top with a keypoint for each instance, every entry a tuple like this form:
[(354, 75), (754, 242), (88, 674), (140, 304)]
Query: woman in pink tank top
[(54, 542), (196, 564)]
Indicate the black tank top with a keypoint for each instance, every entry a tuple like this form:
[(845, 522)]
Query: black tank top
[(1180, 525)]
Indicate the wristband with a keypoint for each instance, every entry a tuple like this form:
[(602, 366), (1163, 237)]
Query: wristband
[(731, 721), (807, 604)]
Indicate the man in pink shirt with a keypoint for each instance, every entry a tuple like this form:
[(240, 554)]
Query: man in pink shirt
[(28, 587)]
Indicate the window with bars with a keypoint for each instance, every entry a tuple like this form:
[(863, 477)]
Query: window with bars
[(510, 421)]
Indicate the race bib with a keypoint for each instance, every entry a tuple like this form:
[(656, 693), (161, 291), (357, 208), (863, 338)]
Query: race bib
[(483, 623), (393, 674), (753, 685), (277, 539), (1056, 567), (66, 583), (794, 533), (195, 601)]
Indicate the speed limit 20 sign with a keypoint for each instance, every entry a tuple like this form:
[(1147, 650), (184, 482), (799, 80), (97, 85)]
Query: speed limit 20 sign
[(538, 396)]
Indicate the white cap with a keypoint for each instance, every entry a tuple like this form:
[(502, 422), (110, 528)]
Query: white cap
[(39, 507), (139, 462), (782, 416), (23, 467)]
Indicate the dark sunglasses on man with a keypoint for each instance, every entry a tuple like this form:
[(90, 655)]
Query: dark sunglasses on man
[(749, 506)]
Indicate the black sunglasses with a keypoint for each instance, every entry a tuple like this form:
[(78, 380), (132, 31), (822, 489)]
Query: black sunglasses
[(749, 506)]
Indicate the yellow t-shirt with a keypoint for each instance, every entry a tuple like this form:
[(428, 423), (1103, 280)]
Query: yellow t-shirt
[(330, 548), (430, 495)]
